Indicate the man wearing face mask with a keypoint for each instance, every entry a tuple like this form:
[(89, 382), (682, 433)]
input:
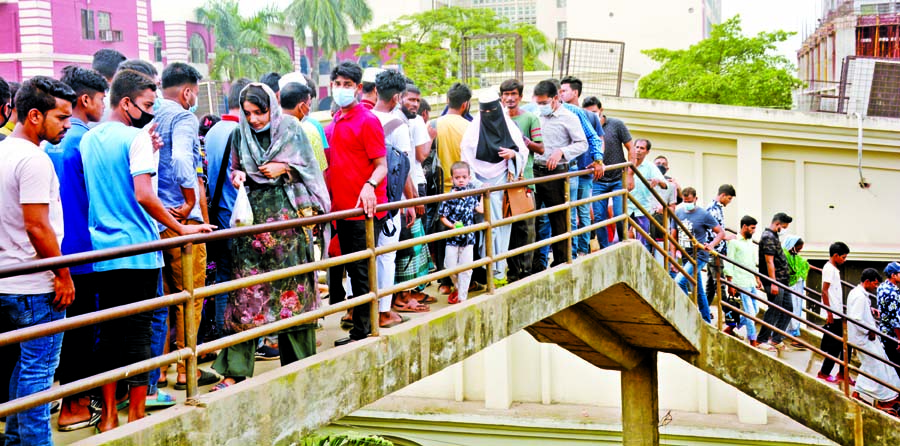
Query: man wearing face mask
[(181, 190), (700, 224), (123, 208), (773, 265)]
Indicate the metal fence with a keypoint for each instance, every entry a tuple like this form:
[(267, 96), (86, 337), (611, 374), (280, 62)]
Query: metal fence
[(489, 59), (597, 63)]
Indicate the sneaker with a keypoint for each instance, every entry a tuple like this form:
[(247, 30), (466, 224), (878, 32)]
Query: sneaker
[(850, 381), (767, 347), (267, 353), (827, 378)]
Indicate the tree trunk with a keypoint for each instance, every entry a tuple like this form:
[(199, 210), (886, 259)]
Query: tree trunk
[(314, 68)]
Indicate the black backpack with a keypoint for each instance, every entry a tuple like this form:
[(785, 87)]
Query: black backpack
[(397, 164)]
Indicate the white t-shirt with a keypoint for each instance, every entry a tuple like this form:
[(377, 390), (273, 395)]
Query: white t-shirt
[(398, 138), (832, 276), (418, 135), (26, 177)]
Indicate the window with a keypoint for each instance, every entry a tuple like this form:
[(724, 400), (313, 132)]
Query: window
[(304, 64), (198, 49), (87, 25), (157, 48), (103, 21), (560, 30)]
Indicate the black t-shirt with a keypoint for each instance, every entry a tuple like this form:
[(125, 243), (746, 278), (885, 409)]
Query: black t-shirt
[(615, 134), (769, 244)]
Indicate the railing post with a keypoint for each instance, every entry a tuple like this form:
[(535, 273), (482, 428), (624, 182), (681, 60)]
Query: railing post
[(569, 239), (625, 198), (666, 239), (190, 327), (489, 240), (721, 320), (695, 292), (845, 384), (373, 274)]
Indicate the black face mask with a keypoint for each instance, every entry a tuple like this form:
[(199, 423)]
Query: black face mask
[(5, 115), (662, 169), (142, 120)]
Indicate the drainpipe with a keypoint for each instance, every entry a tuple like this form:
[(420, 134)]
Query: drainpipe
[(859, 150)]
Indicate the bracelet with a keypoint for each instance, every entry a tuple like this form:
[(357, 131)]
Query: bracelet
[(370, 183)]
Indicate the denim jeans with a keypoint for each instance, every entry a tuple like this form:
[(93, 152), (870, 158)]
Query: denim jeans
[(601, 210), (37, 364), (579, 189), (798, 306), (775, 317), (220, 254), (542, 232), (644, 222), (748, 304), (685, 285)]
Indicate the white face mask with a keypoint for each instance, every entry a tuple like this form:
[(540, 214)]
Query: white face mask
[(343, 96), (545, 110), (690, 207)]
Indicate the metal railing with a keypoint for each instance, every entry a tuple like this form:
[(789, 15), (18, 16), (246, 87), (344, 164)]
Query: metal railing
[(192, 350)]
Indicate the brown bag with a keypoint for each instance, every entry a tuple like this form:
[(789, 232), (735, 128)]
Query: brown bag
[(517, 200)]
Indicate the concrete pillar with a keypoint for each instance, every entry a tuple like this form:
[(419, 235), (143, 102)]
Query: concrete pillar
[(640, 404), (498, 376), (749, 177), (546, 383)]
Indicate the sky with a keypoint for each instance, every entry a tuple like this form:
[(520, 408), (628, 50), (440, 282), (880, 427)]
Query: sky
[(770, 15)]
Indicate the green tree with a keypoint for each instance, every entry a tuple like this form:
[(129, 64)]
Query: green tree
[(242, 43), (427, 45), (726, 68), (327, 22)]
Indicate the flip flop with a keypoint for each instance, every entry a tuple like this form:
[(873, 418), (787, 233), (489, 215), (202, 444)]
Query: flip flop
[(396, 323), (423, 298), (221, 385), (161, 401), (206, 378), (92, 421), (412, 306), (453, 298)]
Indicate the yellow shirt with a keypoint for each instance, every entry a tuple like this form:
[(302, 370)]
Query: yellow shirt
[(450, 131), (315, 141)]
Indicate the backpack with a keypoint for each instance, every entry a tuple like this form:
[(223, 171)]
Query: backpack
[(397, 164)]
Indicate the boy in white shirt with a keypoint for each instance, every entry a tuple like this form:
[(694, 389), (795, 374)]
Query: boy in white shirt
[(833, 301)]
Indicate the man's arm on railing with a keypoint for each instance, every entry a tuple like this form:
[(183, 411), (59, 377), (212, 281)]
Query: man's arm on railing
[(43, 239), (720, 235)]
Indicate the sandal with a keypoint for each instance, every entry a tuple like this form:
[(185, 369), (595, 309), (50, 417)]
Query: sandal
[(206, 378), (161, 401), (92, 421), (396, 323), (221, 385), (453, 298), (422, 298), (411, 306)]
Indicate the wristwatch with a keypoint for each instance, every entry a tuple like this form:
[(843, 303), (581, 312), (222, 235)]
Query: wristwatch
[(370, 183)]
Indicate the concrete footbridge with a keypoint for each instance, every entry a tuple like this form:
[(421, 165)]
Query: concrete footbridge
[(616, 308)]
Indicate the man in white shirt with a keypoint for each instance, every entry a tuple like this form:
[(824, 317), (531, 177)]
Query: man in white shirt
[(864, 335), (31, 228), (833, 301)]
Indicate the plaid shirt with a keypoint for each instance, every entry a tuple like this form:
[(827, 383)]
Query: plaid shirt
[(889, 304), (461, 210), (718, 212)]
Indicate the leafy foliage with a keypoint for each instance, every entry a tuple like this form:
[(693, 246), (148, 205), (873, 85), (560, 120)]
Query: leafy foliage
[(726, 68), (327, 22), (427, 45), (242, 44), (345, 440)]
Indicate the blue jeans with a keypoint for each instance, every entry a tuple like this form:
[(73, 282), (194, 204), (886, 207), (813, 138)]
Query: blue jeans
[(579, 189), (748, 304), (542, 231), (159, 323), (36, 366), (601, 210), (685, 285)]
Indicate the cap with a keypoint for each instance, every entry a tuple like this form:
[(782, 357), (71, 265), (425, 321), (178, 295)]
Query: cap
[(291, 77), (891, 269), (370, 73), (487, 95)]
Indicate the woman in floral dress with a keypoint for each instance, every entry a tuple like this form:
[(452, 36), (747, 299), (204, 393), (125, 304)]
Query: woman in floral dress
[(274, 161)]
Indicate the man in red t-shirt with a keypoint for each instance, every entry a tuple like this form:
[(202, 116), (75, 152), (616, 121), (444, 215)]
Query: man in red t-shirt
[(356, 171)]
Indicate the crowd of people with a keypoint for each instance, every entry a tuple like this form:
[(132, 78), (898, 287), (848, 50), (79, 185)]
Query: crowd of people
[(116, 155)]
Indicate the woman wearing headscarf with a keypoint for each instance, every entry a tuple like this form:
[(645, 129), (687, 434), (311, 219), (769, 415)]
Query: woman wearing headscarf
[(274, 161), (799, 266), (495, 150)]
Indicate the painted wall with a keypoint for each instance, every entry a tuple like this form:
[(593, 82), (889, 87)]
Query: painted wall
[(67, 32)]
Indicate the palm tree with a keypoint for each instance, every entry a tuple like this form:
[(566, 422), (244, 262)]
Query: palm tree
[(327, 24), (242, 44)]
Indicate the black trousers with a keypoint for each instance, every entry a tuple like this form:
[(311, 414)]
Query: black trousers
[(126, 340), (553, 193), (833, 347), (522, 234), (352, 237), (776, 317), (78, 355), (890, 347)]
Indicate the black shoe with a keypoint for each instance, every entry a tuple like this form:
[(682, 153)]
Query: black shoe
[(267, 353), (206, 378), (344, 341)]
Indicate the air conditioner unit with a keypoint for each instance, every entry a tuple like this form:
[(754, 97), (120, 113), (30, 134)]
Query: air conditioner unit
[(109, 35)]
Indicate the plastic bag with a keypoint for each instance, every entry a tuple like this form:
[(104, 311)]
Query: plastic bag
[(242, 214)]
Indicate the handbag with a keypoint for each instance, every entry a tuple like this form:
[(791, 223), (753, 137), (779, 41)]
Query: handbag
[(517, 200)]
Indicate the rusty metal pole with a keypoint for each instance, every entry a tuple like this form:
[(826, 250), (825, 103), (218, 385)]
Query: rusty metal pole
[(625, 199), (845, 384), (695, 291), (489, 240), (569, 239), (190, 327), (721, 320), (666, 239), (373, 274)]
